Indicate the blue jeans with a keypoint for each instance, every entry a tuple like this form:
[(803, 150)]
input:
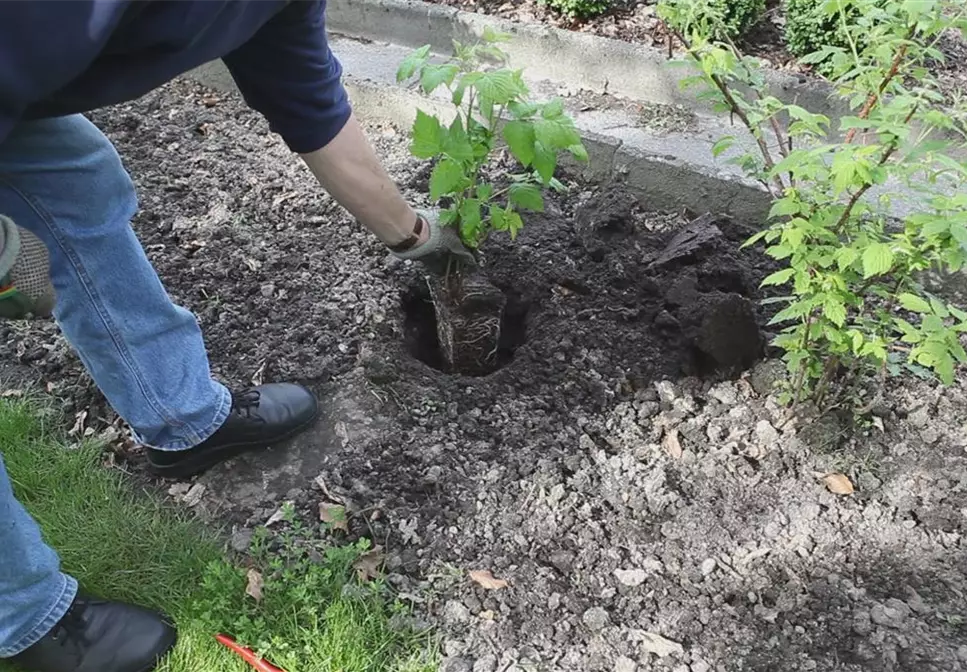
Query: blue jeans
[(62, 180)]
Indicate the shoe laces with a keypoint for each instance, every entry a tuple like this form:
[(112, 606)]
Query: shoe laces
[(245, 404), (70, 629)]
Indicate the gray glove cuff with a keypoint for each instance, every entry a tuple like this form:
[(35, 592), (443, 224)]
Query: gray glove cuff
[(9, 244), (433, 243)]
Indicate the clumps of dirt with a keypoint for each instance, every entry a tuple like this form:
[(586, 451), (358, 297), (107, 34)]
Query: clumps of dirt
[(645, 514)]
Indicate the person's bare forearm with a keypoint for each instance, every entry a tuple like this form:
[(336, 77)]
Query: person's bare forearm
[(350, 171)]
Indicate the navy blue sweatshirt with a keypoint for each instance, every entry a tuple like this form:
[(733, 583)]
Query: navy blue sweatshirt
[(71, 56)]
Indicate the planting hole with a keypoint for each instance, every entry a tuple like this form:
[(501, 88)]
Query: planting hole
[(423, 342)]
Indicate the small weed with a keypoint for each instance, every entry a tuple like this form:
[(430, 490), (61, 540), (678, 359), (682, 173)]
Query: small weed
[(314, 613)]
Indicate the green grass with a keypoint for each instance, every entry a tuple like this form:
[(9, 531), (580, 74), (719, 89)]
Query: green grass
[(124, 543)]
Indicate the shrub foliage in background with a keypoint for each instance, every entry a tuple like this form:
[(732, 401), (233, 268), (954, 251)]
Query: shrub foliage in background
[(812, 25), (579, 9), (855, 307), (725, 19)]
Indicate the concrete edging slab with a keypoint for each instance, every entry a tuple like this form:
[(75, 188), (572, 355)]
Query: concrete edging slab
[(590, 62)]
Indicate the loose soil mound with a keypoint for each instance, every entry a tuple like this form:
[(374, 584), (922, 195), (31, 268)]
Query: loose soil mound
[(649, 509)]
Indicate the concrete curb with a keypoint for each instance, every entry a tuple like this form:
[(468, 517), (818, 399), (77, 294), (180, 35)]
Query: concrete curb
[(583, 61), (661, 182)]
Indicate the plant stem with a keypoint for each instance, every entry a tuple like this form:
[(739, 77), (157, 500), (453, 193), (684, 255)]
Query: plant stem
[(740, 113), (859, 193), (776, 128), (801, 374), (875, 97)]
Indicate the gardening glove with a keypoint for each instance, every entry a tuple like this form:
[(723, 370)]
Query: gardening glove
[(25, 288), (442, 246)]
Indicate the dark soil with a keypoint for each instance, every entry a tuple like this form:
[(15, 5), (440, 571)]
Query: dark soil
[(651, 506), (636, 21)]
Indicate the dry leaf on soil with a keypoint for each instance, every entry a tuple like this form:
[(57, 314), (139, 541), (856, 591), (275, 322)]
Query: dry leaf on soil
[(486, 580), (672, 445), (255, 585), (367, 565), (658, 645), (838, 484), (279, 515), (334, 516), (193, 496)]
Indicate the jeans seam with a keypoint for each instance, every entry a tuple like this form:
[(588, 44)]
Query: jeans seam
[(46, 622), (48, 221)]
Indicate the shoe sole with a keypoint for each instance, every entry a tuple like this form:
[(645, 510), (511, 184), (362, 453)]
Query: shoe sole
[(206, 460)]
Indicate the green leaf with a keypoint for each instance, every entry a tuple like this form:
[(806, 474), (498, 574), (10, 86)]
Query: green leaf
[(484, 192), (579, 152), (913, 303), (722, 145), (427, 136), (526, 196), (514, 223), (877, 259), (939, 309), (446, 178), (486, 106), (779, 277), (499, 86), (520, 137), (492, 36), (795, 311), (554, 109), (910, 333), (412, 63), (498, 218), (779, 252), (456, 143), (433, 75), (835, 311), (458, 94), (545, 162), (935, 227), (523, 110), (448, 216), (556, 134), (470, 221), (785, 207), (846, 257), (755, 239), (959, 233)]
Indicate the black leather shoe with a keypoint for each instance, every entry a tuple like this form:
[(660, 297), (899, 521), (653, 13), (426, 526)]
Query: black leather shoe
[(260, 417), (97, 636)]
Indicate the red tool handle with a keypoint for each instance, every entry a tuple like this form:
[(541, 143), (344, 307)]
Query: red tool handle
[(249, 656)]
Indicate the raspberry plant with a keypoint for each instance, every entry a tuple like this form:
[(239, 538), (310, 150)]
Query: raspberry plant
[(537, 134), (856, 304)]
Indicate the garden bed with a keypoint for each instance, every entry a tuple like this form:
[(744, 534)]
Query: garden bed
[(650, 507), (638, 22)]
